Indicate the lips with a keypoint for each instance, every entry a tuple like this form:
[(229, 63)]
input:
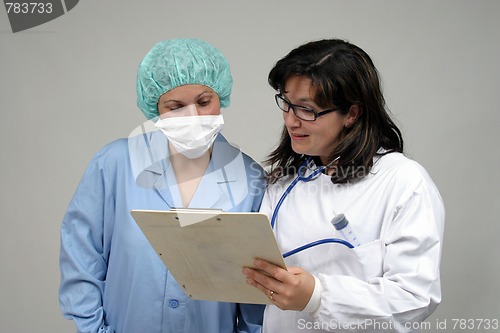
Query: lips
[(298, 136)]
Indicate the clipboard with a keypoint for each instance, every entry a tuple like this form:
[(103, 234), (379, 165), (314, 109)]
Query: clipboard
[(205, 250)]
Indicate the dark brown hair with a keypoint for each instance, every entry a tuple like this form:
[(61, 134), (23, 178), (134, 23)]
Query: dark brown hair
[(342, 75)]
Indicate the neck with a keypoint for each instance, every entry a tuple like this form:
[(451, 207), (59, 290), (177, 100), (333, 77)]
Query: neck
[(188, 173), (329, 166), (181, 163)]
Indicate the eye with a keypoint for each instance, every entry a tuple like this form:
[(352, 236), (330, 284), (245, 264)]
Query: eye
[(304, 110), (173, 107), (307, 110), (204, 102)]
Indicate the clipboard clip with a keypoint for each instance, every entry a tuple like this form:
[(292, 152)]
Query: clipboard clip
[(190, 216)]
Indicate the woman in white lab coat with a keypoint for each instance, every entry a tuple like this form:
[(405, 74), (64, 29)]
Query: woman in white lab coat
[(339, 139)]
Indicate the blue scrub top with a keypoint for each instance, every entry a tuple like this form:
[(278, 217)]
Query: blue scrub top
[(111, 278)]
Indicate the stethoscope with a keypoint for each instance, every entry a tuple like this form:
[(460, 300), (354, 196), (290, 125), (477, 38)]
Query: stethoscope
[(301, 177)]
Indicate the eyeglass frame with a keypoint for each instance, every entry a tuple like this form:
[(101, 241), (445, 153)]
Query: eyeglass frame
[(316, 114)]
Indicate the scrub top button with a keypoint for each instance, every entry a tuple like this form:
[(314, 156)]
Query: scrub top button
[(173, 303)]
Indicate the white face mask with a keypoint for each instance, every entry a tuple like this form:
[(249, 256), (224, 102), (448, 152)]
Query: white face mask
[(192, 136)]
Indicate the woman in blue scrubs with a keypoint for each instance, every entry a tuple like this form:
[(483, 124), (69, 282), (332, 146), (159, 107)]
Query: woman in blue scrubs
[(111, 278)]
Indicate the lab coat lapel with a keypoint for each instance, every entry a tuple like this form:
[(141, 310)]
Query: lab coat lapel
[(218, 184), (149, 157), (161, 172), (165, 194), (209, 190), (217, 189)]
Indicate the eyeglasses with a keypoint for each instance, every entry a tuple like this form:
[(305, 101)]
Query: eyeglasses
[(301, 112)]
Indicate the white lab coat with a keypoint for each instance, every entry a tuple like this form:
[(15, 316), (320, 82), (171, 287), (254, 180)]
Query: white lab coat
[(388, 284)]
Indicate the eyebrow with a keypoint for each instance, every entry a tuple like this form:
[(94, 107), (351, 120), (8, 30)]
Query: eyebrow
[(210, 92), (306, 100), (303, 100), (199, 95)]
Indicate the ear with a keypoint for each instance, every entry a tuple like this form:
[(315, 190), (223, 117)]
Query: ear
[(352, 115)]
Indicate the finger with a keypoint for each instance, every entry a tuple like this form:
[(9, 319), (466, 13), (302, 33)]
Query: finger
[(272, 270), (259, 278), (270, 276), (269, 293), (256, 284), (262, 288)]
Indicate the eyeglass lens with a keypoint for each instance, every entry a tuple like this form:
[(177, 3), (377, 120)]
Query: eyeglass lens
[(299, 111)]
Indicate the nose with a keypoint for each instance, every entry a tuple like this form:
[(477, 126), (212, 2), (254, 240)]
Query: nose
[(290, 119), (203, 111)]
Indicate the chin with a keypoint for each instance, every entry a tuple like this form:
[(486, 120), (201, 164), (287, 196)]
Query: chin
[(300, 151)]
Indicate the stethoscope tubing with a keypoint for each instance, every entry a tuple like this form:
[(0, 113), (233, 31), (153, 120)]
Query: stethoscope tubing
[(292, 185), (284, 195), (316, 243)]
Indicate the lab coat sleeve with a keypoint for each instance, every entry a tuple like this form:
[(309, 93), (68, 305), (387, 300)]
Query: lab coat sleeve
[(408, 289), (84, 251)]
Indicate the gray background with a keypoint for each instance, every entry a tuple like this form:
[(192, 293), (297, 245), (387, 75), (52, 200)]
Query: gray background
[(68, 88)]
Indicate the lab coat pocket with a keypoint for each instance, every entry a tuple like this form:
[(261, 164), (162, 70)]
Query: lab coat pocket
[(369, 259)]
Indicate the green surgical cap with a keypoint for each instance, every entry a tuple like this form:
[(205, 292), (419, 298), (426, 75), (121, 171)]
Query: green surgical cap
[(176, 62)]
